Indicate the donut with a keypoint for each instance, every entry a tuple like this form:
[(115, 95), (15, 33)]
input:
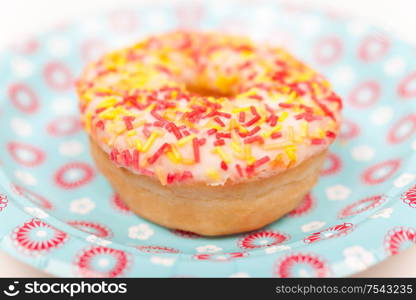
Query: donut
[(208, 132)]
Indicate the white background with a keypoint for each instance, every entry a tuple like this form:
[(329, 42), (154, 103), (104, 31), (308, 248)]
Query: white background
[(21, 17)]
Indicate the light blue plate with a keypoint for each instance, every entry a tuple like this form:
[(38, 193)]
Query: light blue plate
[(59, 215)]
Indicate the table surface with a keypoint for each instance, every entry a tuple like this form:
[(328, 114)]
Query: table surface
[(20, 17)]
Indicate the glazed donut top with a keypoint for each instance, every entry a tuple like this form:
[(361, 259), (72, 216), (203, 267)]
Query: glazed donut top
[(192, 107)]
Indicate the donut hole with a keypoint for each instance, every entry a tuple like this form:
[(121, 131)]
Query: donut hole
[(204, 91)]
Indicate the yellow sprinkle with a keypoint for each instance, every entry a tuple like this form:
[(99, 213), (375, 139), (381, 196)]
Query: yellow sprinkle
[(186, 139), (326, 84), (169, 115), (267, 134), (283, 116), (213, 174), (277, 160), (319, 133), (247, 154), (234, 137), (161, 176), (316, 88), (139, 123), (240, 109), (153, 136), (87, 97), (119, 128), (107, 102), (224, 156), (104, 89), (236, 147), (131, 132), (150, 107), (130, 142), (171, 157), (242, 129), (88, 122), (292, 97), (139, 145), (290, 152), (184, 109), (304, 127), (187, 161), (290, 133), (109, 114), (233, 124), (176, 153)]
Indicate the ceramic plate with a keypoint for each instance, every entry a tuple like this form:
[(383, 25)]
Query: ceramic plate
[(60, 215)]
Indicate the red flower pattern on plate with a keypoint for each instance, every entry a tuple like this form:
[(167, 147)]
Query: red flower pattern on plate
[(398, 238), (157, 249), (25, 154), (3, 202), (102, 262), (87, 174), (221, 257), (329, 233), (409, 197), (37, 236), (300, 265), (361, 206), (262, 239), (94, 228), (304, 207)]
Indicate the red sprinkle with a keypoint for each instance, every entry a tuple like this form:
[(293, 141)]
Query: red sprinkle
[(224, 166), (202, 141), (171, 127), (146, 131), (242, 117), (98, 110), (223, 135), (113, 155), (135, 160), (253, 139), (317, 141), (239, 170), (250, 170), (128, 122), (330, 134), (272, 120), (253, 121), (158, 153), (219, 142), (286, 105), (195, 145), (300, 116), (186, 175), (254, 111), (170, 178), (219, 121), (157, 116), (126, 157), (100, 124), (212, 131), (276, 135), (223, 114), (253, 131), (261, 161), (158, 123), (256, 97)]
